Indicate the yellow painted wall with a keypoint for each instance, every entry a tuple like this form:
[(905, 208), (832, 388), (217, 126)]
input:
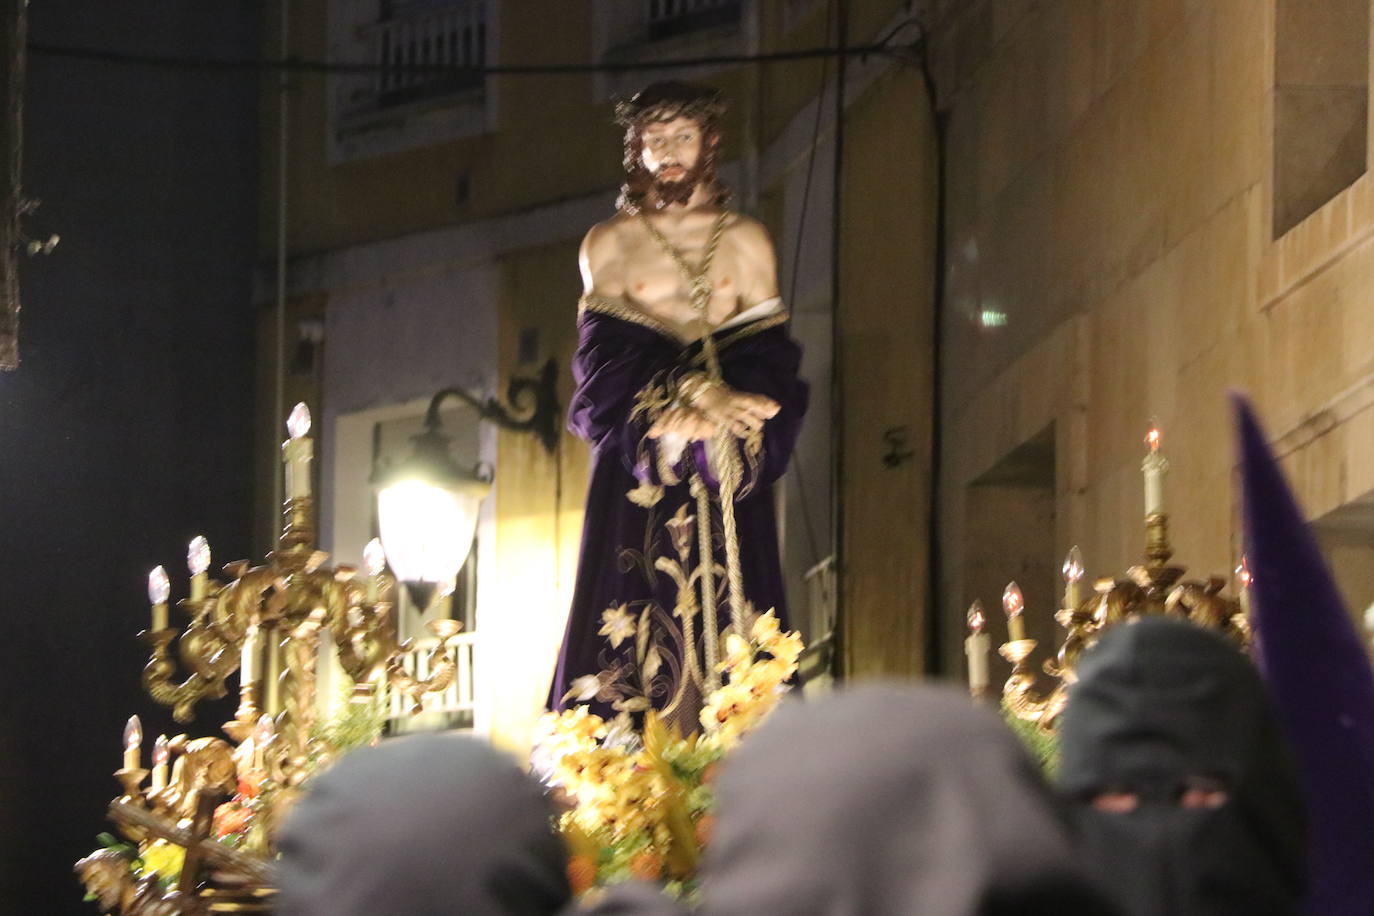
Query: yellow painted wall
[(886, 359)]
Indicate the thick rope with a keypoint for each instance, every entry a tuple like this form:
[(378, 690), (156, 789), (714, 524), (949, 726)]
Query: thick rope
[(731, 474)]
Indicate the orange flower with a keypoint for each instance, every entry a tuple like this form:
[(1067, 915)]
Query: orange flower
[(708, 775), (250, 785), (581, 873), (231, 817), (706, 825), (646, 866)]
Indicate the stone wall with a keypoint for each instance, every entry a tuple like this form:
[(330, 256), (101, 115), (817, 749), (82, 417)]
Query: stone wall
[(1112, 260)]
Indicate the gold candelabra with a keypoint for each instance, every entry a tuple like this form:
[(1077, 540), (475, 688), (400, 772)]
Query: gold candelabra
[(266, 623), (1152, 587)]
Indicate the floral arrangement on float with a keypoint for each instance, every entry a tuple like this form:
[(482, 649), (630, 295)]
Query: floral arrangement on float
[(641, 803)]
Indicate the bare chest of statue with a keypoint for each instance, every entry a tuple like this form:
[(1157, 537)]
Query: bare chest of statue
[(655, 283)]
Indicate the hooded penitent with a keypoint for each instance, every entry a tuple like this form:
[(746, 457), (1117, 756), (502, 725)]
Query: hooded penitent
[(1319, 675), (1162, 707), (432, 824), (888, 800)]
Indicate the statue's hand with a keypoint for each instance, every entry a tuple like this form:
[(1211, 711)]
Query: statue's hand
[(741, 412), (687, 422)]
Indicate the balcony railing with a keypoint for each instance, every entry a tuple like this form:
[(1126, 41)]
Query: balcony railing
[(451, 708), (452, 36), (667, 18)]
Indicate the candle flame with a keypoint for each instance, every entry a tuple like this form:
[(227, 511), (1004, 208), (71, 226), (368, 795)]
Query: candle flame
[(976, 618), (1013, 603), (374, 555), (1153, 438), (1243, 572), (160, 751), (1073, 565), (133, 733), (198, 555), (159, 586), (298, 424)]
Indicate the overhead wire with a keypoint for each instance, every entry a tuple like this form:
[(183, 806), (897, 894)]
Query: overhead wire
[(296, 64)]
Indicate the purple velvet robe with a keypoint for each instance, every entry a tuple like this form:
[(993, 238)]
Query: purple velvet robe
[(634, 633)]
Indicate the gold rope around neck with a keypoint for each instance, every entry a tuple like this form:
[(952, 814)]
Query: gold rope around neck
[(700, 289)]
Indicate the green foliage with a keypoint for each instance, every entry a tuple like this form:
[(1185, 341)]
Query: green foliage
[(354, 724), (1043, 745)]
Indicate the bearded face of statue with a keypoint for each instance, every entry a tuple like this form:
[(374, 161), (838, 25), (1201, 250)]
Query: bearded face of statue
[(673, 156), (667, 159)]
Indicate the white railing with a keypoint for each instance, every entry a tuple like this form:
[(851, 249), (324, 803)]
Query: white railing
[(453, 35), (675, 17), (458, 701)]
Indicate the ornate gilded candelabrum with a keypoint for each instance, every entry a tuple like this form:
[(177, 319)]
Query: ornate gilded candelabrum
[(1152, 587), (266, 623)]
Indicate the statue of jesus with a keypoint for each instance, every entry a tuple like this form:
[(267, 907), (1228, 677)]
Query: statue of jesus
[(687, 390)]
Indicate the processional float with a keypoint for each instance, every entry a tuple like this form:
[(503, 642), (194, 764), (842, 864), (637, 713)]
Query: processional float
[(1151, 587), (195, 838)]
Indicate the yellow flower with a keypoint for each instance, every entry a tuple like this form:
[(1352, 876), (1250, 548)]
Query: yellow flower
[(164, 858), (765, 628)]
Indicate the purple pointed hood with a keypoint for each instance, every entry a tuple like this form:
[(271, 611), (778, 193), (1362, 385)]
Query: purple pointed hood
[(1318, 671)]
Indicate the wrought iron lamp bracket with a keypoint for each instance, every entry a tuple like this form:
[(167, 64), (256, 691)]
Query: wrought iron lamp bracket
[(534, 406)]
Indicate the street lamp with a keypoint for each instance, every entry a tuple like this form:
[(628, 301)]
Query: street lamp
[(427, 505)]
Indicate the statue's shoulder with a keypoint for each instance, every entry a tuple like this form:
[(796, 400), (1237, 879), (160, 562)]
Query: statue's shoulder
[(749, 234), (603, 239)]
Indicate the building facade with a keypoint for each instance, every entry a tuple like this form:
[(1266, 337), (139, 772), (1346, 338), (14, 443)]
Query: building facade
[(1149, 203)]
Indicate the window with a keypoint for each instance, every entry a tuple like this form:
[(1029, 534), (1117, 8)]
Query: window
[(667, 18), (385, 111), (1321, 99), (627, 31)]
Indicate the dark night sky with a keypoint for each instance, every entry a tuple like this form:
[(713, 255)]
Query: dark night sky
[(127, 430)]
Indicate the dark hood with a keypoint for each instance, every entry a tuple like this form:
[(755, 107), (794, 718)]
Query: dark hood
[(431, 824), (1159, 703), (887, 800)]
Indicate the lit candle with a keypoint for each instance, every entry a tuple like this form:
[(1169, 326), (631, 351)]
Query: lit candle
[(198, 561), (133, 741), (976, 648), (375, 558), (1155, 466), (248, 658), (1073, 574), (296, 453), (160, 763), (1244, 578), (1013, 604), (263, 733), (159, 589)]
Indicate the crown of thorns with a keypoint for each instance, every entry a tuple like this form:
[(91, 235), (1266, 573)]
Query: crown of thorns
[(668, 100)]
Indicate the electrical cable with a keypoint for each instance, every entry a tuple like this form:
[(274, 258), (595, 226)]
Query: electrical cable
[(303, 65)]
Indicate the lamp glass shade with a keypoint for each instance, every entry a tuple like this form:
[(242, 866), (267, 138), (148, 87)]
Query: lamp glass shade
[(427, 529)]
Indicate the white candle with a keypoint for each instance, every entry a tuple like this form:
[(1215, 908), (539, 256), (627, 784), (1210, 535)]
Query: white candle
[(133, 742), (374, 556), (248, 659), (1243, 577), (1155, 467), (1073, 574), (976, 648), (159, 590), (160, 763), (1013, 604), (198, 561), (297, 452)]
